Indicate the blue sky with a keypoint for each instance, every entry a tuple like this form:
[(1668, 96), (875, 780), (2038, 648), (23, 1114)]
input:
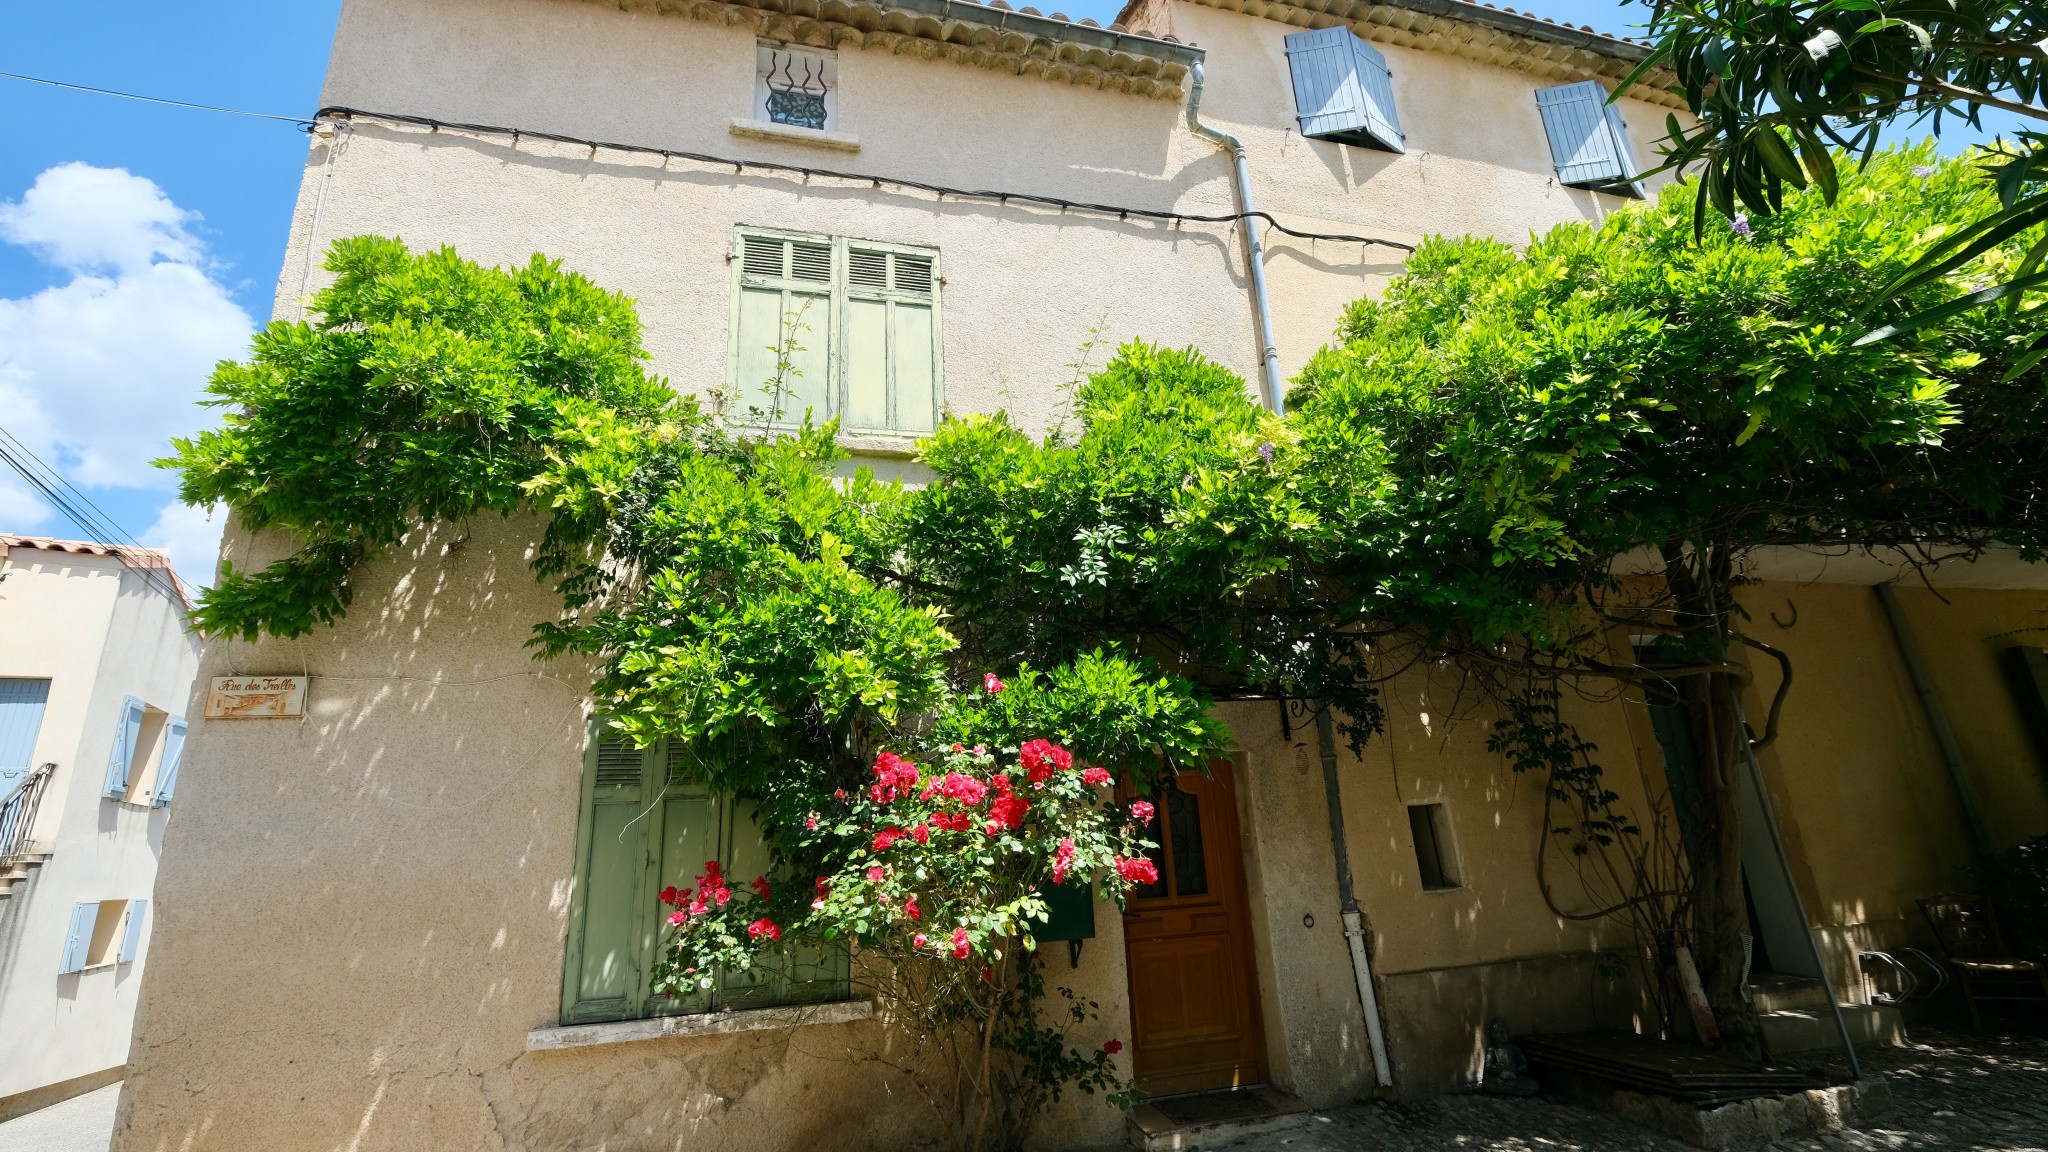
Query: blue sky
[(139, 244)]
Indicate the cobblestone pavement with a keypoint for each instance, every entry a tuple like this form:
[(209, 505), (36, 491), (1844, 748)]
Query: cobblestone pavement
[(1949, 1091)]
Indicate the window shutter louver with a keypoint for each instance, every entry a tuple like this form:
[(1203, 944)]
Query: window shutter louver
[(123, 753), (174, 754), (783, 311), (79, 938), (1588, 143), (21, 720), (890, 351), (604, 964), (131, 937), (1343, 90)]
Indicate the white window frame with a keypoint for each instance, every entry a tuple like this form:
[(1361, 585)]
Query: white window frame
[(834, 332)]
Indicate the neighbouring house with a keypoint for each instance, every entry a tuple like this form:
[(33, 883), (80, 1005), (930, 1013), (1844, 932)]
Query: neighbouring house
[(420, 915), (96, 666)]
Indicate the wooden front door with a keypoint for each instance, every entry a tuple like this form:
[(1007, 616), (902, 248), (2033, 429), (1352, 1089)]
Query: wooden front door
[(1187, 941)]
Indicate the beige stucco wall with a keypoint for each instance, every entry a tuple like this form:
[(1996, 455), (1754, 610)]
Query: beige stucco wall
[(1870, 816), (364, 913), (98, 631)]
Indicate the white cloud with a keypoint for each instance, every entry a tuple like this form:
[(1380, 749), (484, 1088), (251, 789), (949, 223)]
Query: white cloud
[(87, 219), (98, 374), (192, 537)]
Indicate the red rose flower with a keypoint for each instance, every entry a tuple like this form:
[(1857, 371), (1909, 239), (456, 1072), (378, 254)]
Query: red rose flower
[(922, 834), (676, 917), (1063, 861), (1138, 871), (819, 900), (1112, 1046), (1041, 758), (876, 873), (917, 941), (760, 886), (1095, 777), (1007, 811), (1142, 812), (966, 789), (764, 927), (888, 836), (910, 909), (668, 895), (989, 681), (960, 948)]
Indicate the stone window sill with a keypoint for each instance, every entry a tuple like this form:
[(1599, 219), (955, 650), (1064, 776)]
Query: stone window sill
[(699, 1024), (787, 134)]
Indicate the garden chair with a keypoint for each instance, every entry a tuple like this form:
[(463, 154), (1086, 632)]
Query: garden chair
[(1968, 934)]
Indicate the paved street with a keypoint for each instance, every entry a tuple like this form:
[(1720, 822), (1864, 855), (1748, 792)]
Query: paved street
[(1949, 1091), (80, 1124)]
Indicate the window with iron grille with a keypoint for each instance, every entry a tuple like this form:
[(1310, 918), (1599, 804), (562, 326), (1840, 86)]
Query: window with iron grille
[(796, 87), (835, 327)]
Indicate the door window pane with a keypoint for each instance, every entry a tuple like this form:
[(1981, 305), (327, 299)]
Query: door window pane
[(1190, 866)]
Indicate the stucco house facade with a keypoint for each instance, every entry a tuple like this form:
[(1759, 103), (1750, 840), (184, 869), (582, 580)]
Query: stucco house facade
[(94, 676), (385, 925)]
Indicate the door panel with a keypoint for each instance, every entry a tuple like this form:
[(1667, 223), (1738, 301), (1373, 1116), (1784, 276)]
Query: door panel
[(1194, 990)]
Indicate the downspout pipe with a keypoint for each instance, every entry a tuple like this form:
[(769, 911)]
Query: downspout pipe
[(1951, 752), (1254, 247), (1354, 921), (1326, 736)]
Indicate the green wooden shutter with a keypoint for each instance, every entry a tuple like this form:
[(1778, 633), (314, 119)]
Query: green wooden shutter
[(609, 920), (783, 306), (689, 837), (891, 354)]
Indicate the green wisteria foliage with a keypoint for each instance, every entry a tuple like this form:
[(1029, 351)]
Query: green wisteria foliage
[(1512, 453)]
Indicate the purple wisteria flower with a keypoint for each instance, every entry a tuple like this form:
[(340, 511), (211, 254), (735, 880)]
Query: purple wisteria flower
[(1923, 171), (1739, 225), (1266, 451)]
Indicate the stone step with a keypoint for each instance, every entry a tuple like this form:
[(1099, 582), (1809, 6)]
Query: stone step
[(17, 870), (1211, 1119), (1813, 1029), (1770, 992)]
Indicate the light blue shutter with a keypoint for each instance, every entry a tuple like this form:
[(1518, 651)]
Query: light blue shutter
[(124, 746), (79, 938), (21, 721), (167, 772), (1343, 90), (1626, 154), (1587, 142), (132, 937)]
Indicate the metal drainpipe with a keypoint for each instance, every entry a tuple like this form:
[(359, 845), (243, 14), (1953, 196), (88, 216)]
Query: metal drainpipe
[(1951, 752), (1354, 923), (1255, 249), (1269, 366)]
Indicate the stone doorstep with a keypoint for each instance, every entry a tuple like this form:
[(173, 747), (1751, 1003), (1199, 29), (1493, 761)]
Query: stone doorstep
[(1792, 1031), (1750, 1122), (1770, 992), (1154, 1131)]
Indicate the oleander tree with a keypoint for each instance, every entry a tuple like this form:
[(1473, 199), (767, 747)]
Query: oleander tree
[(1776, 86)]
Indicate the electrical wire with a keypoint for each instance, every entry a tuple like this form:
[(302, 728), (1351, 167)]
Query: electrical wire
[(1122, 212), (78, 508), (940, 190), (299, 120)]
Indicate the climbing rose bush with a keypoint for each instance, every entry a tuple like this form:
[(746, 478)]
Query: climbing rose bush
[(939, 868)]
